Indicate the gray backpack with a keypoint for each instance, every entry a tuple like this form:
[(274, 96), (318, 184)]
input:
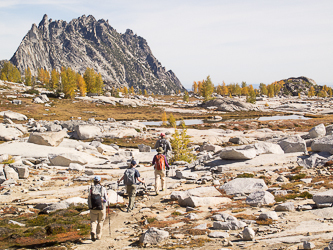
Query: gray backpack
[(129, 178)]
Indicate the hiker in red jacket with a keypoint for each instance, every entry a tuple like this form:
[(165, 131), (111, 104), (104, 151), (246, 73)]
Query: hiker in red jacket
[(160, 163)]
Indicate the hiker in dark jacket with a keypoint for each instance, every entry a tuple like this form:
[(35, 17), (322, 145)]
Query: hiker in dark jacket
[(97, 202), (130, 177), (164, 143), (160, 164)]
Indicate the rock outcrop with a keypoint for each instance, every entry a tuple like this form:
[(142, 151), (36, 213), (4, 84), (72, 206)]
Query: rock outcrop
[(122, 59)]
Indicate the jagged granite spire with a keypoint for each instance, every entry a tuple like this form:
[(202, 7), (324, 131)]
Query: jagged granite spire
[(122, 59)]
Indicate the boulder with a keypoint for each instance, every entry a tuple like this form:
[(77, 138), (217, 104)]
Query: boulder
[(244, 186), (193, 201), (329, 130), (293, 144), (53, 127), (311, 161), (2, 175), (76, 167), (244, 153), (207, 147), (323, 144), (268, 148), (54, 207), (323, 198), (8, 133), (287, 206), (23, 171), (10, 173), (192, 216), (112, 195), (144, 148), (229, 225), (106, 150), (186, 175), (66, 159), (240, 140), (268, 215), (14, 116), (223, 217), (154, 236), (308, 245), (259, 198), (85, 132), (317, 131), (222, 235), (248, 233), (48, 139), (204, 192)]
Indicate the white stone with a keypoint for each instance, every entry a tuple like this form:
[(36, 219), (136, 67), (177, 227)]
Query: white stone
[(114, 197), (9, 133), (88, 131), (23, 171), (268, 148), (14, 116), (308, 245), (222, 235), (66, 159), (293, 144), (154, 236), (186, 175), (10, 173), (244, 153), (268, 215), (287, 206), (248, 233), (48, 139), (259, 198), (229, 225), (317, 131), (323, 144), (193, 201), (323, 197), (244, 186)]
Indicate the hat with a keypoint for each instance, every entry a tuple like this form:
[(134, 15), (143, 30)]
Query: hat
[(133, 163), (160, 150), (162, 134), (97, 178)]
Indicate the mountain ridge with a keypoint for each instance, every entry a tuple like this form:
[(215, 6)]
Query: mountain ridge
[(122, 59)]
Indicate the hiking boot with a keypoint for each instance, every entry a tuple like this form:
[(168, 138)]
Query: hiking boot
[(157, 193), (93, 237), (162, 189)]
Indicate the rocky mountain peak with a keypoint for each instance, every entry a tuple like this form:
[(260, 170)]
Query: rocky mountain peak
[(122, 59)]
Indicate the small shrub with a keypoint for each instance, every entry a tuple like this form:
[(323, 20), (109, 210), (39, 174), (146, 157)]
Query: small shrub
[(32, 92), (245, 175), (297, 177), (264, 222), (151, 219)]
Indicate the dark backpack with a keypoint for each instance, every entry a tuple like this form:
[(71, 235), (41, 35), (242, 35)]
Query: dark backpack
[(163, 144), (96, 197), (159, 162), (129, 177)]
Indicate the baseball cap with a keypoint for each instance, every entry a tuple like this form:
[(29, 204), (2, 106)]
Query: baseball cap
[(97, 178), (133, 163), (162, 134)]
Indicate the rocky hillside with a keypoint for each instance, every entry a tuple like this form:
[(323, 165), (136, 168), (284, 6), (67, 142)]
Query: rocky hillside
[(122, 59), (294, 85)]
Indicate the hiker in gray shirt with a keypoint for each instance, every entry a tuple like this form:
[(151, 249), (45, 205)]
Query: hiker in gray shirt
[(130, 177), (165, 144)]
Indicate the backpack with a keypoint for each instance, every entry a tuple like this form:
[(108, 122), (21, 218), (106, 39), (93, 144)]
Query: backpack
[(163, 144), (129, 177), (96, 194), (159, 162)]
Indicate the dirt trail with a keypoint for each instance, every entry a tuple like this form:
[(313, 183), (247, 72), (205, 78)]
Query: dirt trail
[(118, 218)]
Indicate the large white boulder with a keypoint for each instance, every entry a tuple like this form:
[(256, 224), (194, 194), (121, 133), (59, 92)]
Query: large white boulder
[(8, 133), (323, 197), (244, 186), (106, 150), (323, 144), (10, 173), (66, 159), (23, 171), (194, 201), (317, 131), (248, 233), (186, 175), (293, 144), (287, 206), (48, 138), (85, 132), (14, 116), (259, 198), (243, 153), (114, 197), (268, 148), (268, 215), (154, 236), (229, 225)]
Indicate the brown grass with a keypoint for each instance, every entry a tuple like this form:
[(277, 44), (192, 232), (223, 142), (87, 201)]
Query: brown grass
[(264, 222), (161, 224)]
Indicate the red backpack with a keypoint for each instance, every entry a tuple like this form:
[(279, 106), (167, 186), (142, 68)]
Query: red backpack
[(159, 162)]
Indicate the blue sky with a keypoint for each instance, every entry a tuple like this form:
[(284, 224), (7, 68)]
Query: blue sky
[(230, 40)]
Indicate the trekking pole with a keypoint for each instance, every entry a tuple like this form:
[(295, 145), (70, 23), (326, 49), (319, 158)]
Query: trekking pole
[(109, 219)]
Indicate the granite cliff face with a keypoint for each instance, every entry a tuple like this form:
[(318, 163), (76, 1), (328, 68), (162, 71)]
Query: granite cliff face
[(122, 59), (294, 85)]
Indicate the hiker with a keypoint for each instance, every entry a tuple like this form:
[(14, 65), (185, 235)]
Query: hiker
[(164, 143), (97, 201), (160, 163), (130, 177)]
